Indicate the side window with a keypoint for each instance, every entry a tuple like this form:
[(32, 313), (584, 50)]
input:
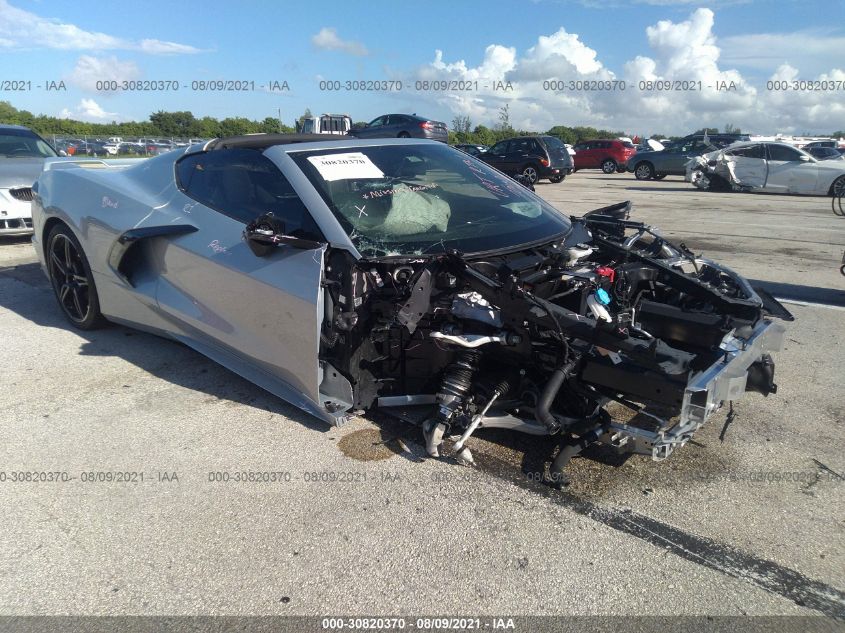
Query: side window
[(781, 152), (379, 121), (244, 184), (522, 146), (752, 151), (499, 148), (536, 147)]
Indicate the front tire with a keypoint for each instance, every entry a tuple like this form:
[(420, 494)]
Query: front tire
[(403, 135), (644, 171), (700, 179), (556, 179), (838, 187), (529, 172), (608, 166), (72, 280)]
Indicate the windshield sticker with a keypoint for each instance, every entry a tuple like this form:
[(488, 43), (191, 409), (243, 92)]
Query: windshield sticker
[(345, 166)]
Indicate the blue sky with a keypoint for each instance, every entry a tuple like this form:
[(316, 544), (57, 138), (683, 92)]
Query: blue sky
[(748, 43)]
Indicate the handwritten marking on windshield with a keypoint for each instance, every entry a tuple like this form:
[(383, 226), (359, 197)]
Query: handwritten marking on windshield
[(361, 211), (378, 193), (491, 186)]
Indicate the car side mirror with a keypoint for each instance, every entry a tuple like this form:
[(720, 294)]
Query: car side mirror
[(62, 152), (805, 158), (264, 234)]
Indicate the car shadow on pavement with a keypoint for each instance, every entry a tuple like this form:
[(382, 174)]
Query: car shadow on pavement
[(662, 189), (32, 298), (798, 292)]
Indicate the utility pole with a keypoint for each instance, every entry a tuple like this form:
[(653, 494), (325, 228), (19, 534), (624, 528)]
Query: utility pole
[(280, 120)]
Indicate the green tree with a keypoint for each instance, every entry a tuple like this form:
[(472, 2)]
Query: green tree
[(235, 126), (483, 135), (176, 124), (505, 118), (565, 134), (462, 123), (209, 127)]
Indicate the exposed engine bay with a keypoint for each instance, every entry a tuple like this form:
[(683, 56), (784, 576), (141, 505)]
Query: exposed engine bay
[(540, 340)]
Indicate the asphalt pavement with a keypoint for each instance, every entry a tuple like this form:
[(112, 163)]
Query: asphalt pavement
[(133, 445)]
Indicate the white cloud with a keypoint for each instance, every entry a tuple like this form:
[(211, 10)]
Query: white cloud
[(558, 56), (709, 3), (88, 110), (24, 29), (160, 47), (328, 39), (90, 70), (681, 54), (803, 111), (812, 51)]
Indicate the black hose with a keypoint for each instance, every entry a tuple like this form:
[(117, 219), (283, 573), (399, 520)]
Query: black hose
[(543, 410)]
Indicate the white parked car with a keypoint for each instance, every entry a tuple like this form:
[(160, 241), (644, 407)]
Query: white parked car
[(22, 154), (770, 167)]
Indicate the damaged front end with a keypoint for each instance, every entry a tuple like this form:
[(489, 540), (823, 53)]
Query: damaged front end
[(541, 339), (719, 171)]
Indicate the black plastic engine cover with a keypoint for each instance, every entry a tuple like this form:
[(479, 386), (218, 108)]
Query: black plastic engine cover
[(635, 382), (688, 328)]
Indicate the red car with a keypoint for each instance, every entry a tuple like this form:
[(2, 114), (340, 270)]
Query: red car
[(607, 155)]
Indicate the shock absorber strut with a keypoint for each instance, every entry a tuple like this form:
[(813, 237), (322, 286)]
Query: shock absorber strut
[(456, 383)]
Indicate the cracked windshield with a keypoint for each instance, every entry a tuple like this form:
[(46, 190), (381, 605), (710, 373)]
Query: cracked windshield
[(420, 199)]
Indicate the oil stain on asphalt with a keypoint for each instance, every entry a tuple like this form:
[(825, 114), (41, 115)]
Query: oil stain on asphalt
[(369, 445)]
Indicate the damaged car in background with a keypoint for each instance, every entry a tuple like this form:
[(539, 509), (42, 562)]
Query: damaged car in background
[(769, 167), (346, 275)]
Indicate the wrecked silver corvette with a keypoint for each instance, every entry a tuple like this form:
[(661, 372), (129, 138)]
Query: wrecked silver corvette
[(348, 275)]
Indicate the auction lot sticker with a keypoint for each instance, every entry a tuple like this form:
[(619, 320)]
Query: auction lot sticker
[(345, 166)]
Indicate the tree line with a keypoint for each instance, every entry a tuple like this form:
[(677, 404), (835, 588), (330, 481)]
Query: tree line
[(160, 125), (183, 124)]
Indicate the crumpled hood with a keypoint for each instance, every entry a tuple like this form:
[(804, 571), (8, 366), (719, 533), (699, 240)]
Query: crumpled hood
[(19, 172)]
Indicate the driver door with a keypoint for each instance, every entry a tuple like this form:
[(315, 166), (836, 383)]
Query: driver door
[(374, 128), (259, 316), (675, 159), (791, 171), (497, 155), (750, 166)]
